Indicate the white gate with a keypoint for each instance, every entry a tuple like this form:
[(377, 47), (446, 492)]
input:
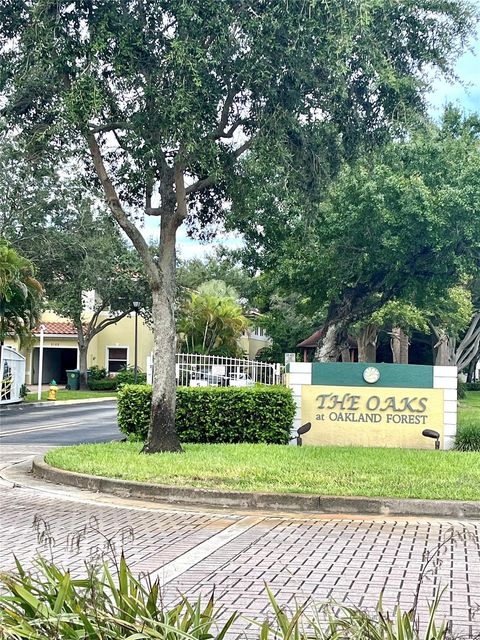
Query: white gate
[(195, 370), (12, 372)]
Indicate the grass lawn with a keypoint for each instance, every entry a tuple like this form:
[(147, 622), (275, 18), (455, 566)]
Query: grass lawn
[(343, 471), (469, 409), (65, 394)]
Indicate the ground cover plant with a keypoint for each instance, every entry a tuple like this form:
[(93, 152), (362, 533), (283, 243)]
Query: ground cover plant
[(65, 394), (113, 603), (347, 471)]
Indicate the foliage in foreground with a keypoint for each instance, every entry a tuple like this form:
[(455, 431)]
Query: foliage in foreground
[(20, 295), (213, 414), (110, 604)]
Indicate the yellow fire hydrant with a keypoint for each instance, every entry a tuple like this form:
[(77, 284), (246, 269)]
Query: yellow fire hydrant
[(52, 391)]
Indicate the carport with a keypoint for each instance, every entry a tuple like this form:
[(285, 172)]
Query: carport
[(56, 360)]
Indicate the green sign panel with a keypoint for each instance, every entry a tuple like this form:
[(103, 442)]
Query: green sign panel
[(351, 374)]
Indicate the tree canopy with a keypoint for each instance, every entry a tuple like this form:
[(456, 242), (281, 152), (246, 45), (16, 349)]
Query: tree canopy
[(401, 223), (168, 95), (20, 295), (56, 220)]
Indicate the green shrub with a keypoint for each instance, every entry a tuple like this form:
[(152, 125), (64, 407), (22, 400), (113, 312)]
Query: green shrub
[(103, 384), (461, 390), (215, 414), (473, 386), (127, 376), (468, 435), (96, 373)]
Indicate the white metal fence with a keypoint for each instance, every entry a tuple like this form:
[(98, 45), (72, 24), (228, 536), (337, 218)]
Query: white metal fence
[(12, 375), (195, 370)]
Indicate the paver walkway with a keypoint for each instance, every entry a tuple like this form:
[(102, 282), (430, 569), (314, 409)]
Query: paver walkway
[(349, 560)]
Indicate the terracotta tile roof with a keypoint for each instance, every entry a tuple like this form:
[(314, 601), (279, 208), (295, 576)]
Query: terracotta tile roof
[(57, 328), (311, 341)]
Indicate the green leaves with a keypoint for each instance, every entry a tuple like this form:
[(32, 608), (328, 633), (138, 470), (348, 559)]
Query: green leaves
[(211, 321), (21, 295), (215, 415), (106, 605)]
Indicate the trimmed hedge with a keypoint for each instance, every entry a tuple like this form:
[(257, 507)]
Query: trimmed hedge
[(103, 384), (215, 414), (473, 386)]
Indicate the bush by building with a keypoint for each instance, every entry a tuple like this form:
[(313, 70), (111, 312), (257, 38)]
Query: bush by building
[(104, 384)]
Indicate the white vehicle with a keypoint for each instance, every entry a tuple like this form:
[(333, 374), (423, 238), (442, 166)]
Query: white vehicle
[(240, 380)]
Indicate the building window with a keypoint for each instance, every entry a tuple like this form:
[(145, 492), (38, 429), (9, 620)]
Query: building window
[(117, 358)]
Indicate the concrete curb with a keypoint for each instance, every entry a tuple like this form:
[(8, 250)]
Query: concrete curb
[(276, 502), (55, 403)]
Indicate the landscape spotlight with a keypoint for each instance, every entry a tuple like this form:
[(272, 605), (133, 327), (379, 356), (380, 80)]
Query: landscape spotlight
[(301, 430), (430, 433)]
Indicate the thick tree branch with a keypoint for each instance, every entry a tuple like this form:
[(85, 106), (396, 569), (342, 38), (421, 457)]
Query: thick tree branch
[(244, 147), (229, 133), (120, 216), (470, 345), (93, 321), (109, 126), (204, 183), (108, 321), (222, 123), (181, 194)]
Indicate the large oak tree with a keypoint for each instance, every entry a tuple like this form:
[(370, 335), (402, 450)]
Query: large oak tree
[(167, 95), (400, 224)]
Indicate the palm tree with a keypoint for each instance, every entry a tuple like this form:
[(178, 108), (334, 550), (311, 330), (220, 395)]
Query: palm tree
[(212, 321), (20, 296)]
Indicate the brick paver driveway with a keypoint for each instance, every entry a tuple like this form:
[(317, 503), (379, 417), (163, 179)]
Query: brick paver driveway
[(349, 560)]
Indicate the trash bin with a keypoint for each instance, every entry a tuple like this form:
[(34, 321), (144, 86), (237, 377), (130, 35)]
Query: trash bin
[(73, 379)]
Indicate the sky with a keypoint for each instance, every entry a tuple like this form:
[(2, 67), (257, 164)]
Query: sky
[(467, 96), (465, 93)]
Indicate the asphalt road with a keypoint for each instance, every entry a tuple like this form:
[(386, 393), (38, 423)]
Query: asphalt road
[(59, 424)]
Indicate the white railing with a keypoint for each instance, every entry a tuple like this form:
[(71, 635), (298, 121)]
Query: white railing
[(12, 375), (195, 370)]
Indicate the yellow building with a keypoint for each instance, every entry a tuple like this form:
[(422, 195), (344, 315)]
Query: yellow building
[(112, 349)]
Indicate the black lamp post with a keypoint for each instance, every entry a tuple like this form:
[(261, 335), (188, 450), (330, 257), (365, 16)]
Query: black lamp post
[(136, 307)]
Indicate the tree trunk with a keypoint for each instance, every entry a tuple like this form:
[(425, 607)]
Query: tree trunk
[(367, 344), (328, 349), (444, 352), (82, 353), (444, 349), (472, 368), (162, 435), (469, 347), (399, 346), (333, 346)]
